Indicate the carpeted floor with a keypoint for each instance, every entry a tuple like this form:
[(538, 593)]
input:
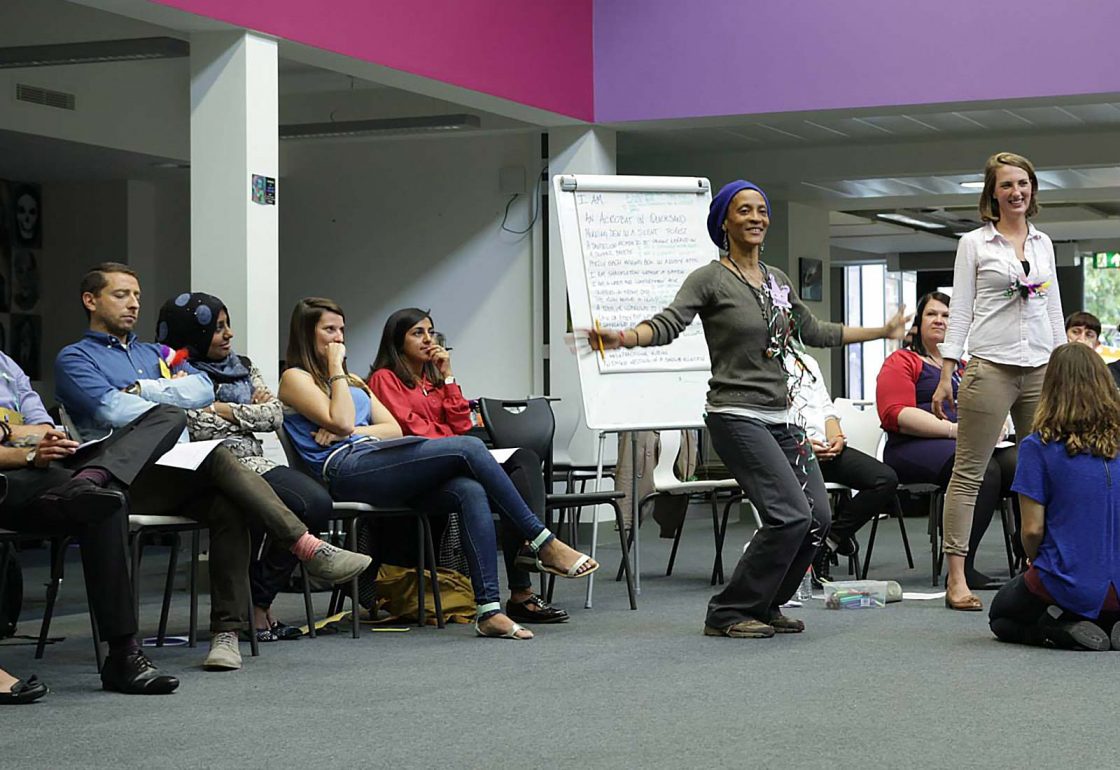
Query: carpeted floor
[(912, 685)]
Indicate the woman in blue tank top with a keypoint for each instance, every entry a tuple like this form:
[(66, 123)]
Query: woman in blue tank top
[(349, 438)]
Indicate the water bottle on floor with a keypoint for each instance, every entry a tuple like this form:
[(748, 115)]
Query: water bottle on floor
[(805, 590)]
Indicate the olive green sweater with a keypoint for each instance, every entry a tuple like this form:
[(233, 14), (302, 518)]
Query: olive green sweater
[(737, 335)]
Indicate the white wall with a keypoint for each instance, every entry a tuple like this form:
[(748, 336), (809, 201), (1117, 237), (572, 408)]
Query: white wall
[(382, 225)]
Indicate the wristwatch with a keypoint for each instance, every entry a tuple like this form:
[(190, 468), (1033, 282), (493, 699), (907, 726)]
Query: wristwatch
[(133, 389), (31, 456)]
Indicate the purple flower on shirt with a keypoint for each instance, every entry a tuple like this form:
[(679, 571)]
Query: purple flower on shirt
[(779, 294)]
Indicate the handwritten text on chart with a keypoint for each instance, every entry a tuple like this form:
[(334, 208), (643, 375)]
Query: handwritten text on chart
[(638, 247)]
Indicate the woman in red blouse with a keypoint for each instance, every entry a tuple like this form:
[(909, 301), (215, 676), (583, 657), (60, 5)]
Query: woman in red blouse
[(920, 446), (411, 376)]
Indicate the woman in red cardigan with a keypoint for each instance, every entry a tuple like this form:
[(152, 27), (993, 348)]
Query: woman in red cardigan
[(411, 376), (920, 446)]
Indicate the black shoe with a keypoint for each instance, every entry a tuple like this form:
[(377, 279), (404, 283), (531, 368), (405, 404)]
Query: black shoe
[(1071, 634), (133, 674), (284, 632), (543, 612), (822, 567), (81, 501), (849, 546), (24, 692), (978, 581)]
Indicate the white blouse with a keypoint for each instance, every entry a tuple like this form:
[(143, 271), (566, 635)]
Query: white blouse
[(988, 310)]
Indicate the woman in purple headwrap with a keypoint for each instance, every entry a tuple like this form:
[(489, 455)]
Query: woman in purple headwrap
[(752, 316)]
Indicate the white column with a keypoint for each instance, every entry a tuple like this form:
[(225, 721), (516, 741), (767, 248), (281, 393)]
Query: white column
[(582, 150), (234, 240)]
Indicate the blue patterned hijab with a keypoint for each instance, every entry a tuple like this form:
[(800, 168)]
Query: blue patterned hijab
[(188, 321)]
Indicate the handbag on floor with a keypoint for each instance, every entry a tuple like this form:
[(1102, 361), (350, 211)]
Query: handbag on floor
[(396, 589)]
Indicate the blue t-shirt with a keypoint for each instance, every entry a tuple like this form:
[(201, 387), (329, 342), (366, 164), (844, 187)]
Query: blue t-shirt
[(1080, 553)]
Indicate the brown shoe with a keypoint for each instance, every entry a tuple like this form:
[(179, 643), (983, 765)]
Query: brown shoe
[(970, 603), (784, 625), (744, 629)]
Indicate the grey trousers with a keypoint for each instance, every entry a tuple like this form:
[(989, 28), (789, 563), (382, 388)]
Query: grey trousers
[(780, 476)]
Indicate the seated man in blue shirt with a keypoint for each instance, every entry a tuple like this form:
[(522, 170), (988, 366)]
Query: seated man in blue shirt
[(53, 489), (107, 379)]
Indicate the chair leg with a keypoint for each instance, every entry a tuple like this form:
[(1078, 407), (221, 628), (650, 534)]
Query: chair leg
[(1004, 515), (58, 565), (626, 568), (676, 544), (352, 545), (307, 606), (137, 549), (717, 563), (95, 632), (902, 530), (254, 645), (721, 538), (421, 548), (433, 571), (870, 548), (196, 547), (168, 586)]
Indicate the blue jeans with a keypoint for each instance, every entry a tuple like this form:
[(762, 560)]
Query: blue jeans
[(440, 476)]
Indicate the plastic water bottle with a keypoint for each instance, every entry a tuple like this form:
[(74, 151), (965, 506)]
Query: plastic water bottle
[(805, 590)]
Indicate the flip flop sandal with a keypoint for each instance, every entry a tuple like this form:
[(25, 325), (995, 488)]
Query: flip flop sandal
[(530, 561)]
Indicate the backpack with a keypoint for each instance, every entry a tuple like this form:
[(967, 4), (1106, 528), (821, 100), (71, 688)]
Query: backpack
[(11, 600)]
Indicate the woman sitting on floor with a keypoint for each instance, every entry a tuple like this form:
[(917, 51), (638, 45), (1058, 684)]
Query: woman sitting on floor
[(243, 405), (921, 447), (1068, 482), (411, 376), (346, 434)]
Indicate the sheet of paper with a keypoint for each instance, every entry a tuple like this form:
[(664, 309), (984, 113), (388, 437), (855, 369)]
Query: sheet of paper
[(188, 455), (92, 441), (922, 597), (501, 455)]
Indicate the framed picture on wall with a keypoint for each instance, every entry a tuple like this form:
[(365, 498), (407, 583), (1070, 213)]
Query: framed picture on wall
[(811, 284)]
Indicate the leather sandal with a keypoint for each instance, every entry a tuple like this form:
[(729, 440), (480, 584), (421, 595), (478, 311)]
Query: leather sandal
[(970, 603), (786, 625)]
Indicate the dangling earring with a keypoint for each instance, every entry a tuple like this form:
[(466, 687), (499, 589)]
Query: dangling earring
[(762, 248), (726, 242)]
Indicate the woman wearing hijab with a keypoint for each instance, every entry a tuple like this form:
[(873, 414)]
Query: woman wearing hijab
[(243, 405), (751, 316)]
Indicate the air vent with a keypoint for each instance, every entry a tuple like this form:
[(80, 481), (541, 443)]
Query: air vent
[(46, 97)]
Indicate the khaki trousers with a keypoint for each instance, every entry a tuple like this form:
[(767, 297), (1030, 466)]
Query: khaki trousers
[(988, 392)]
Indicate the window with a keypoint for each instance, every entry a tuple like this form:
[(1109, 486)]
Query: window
[(871, 296)]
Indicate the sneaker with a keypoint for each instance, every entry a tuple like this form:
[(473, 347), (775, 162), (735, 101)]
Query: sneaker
[(133, 674), (224, 655), (336, 565), (1114, 637)]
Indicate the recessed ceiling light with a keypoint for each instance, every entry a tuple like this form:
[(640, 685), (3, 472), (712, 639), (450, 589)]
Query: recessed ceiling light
[(902, 219), (973, 185)]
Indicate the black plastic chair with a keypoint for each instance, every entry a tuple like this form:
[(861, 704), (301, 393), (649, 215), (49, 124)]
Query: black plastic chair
[(530, 423), (351, 513)]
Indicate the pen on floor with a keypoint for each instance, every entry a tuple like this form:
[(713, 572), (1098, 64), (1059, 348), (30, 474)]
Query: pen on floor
[(602, 352)]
